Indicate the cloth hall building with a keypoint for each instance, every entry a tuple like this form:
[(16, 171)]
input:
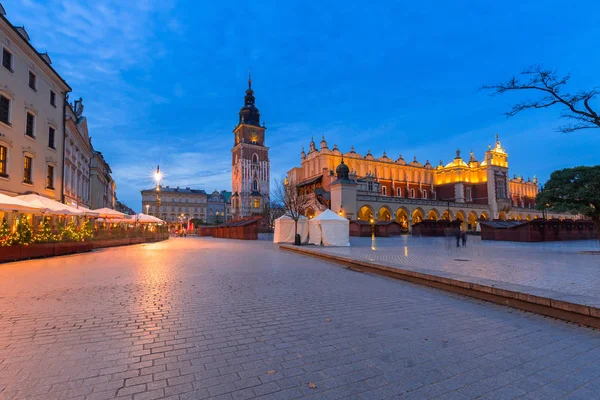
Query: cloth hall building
[(365, 187)]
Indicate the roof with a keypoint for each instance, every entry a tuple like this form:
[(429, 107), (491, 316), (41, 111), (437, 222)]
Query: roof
[(177, 190), (499, 224), (310, 181), (226, 195), (40, 55)]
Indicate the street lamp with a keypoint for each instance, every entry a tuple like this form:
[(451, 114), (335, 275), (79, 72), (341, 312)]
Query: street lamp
[(158, 175), (147, 208)]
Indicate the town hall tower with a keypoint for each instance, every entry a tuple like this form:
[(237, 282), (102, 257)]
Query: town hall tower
[(250, 169)]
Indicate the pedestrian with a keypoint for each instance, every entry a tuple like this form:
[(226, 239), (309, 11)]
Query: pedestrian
[(458, 236), (463, 236)]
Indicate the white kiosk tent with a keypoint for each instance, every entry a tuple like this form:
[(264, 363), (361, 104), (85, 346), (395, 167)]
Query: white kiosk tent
[(329, 229), (284, 229)]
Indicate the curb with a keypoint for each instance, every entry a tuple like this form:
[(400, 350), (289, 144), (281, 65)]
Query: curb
[(568, 311)]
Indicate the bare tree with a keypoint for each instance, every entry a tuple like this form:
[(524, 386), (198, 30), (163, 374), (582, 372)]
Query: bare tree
[(272, 211), (576, 107), (286, 193)]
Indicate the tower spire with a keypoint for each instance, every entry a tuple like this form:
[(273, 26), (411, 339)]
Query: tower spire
[(249, 79)]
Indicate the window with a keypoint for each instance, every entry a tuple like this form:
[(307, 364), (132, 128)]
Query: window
[(27, 169), (384, 190), (50, 178), (469, 198), (256, 202), (30, 127), (52, 98), (412, 193), (370, 186), (424, 194), (255, 158), (3, 160), (4, 110), (255, 185), (7, 59), (32, 81), (399, 192), (51, 132)]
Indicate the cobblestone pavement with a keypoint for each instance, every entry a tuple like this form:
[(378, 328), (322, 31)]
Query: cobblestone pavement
[(204, 318), (555, 266)]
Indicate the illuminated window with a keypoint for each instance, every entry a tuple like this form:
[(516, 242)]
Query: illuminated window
[(3, 157), (256, 202), (27, 169)]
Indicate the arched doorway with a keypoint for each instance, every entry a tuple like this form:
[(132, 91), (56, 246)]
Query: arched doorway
[(385, 214), (472, 221), (402, 217), (433, 215), (483, 216), (365, 213), (502, 215), (417, 216), (447, 215)]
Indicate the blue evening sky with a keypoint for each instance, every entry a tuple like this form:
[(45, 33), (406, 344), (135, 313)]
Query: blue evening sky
[(163, 80)]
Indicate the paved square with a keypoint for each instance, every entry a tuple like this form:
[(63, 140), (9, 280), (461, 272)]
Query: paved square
[(552, 266), (203, 318)]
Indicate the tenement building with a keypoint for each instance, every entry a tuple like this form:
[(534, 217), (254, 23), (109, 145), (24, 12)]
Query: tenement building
[(250, 168), (78, 158), (369, 188), (32, 109), (178, 204), (102, 186)]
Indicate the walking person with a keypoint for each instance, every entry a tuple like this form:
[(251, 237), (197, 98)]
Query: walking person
[(458, 236), (463, 236)]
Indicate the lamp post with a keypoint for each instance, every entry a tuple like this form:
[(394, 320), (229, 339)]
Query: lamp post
[(157, 178), (147, 208)]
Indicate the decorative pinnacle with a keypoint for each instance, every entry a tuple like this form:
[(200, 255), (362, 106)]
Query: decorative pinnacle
[(249, 79)]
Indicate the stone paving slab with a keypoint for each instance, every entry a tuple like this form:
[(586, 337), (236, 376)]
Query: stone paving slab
[(203, 318), (554, 269)]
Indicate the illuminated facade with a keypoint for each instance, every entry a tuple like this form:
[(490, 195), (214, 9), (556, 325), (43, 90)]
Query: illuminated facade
[(387, 189), (250, 166)]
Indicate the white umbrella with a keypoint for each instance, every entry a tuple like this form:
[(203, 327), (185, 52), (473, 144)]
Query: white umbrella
[(87, 212), (108, 213), (14, 204), (52, 206)]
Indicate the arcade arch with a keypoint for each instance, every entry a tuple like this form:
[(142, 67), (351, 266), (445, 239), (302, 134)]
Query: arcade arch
[(433, 214), (365, 213), (385, 214)]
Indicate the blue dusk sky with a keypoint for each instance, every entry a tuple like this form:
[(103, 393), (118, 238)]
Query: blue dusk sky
[(163, 80)]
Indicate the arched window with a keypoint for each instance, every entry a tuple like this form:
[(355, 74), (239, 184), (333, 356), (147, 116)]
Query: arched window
[(255, 158), (255, 185)]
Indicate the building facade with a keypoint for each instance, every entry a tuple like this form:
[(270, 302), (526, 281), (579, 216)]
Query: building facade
[(32, 109), (178, 204), (250, 165), (102, 186), (78, 158), (409, 192)]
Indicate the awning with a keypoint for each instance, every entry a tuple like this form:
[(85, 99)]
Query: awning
[(109, 213), (14, 204), (53, 207)]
